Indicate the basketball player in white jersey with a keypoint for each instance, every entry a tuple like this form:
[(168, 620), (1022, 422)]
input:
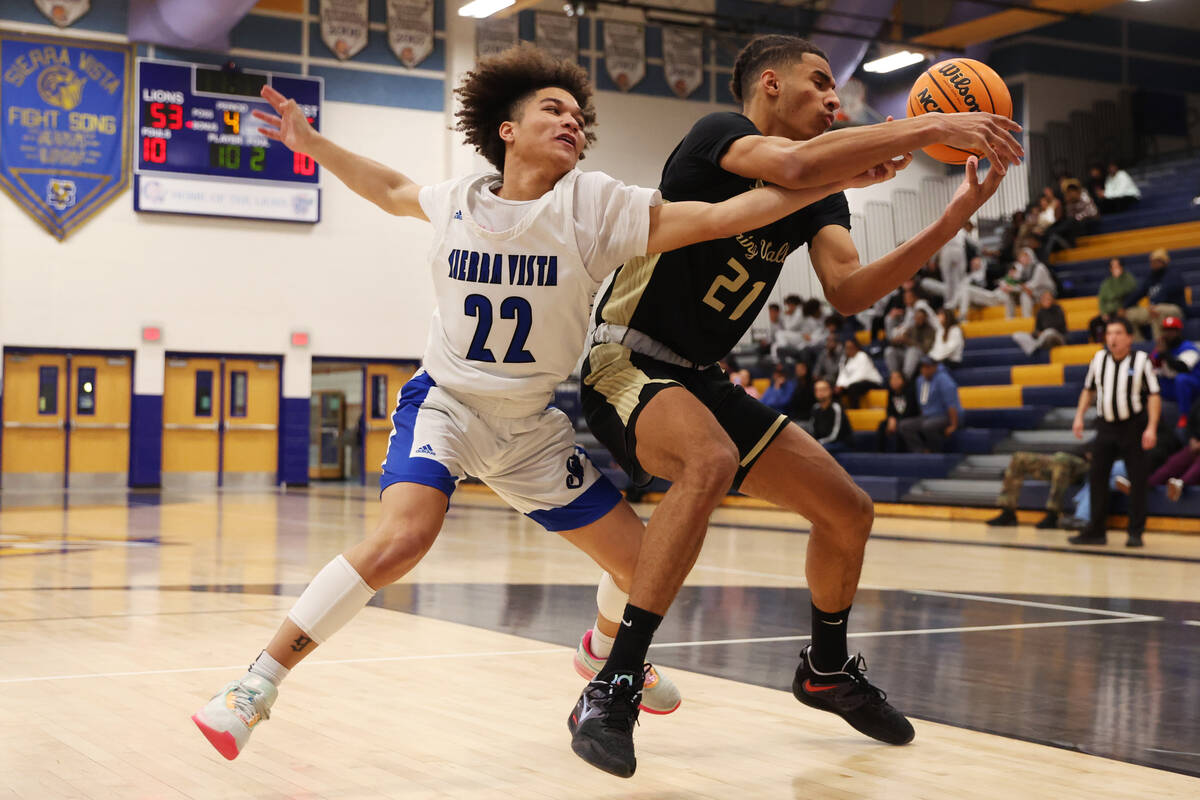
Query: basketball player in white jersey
[(517, 258)]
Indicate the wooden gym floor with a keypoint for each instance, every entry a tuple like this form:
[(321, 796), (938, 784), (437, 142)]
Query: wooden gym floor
[(1032, 670)]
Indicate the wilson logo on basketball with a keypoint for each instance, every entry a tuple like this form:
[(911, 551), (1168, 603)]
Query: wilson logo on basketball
[(959, 80)]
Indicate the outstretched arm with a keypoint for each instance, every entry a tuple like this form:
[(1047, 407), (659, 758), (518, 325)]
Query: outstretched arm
[(382, 185), (675, 225), (838, 155), (852, 287)]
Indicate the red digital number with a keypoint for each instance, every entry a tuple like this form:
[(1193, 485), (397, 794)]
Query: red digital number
[(302, 164), (154, 151), (166, 115)]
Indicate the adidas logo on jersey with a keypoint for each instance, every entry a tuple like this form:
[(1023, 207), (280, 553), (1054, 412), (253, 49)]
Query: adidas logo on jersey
[(458, 214), (425, 450)]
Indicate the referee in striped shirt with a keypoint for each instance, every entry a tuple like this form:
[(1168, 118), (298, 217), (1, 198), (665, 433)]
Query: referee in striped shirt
[(1122, 384)]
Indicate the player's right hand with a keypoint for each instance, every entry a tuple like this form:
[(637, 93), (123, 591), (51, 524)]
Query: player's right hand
[(1077, 427), (291, 127), (980, 132)]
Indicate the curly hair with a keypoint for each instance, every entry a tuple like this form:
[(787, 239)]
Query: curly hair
[(767, 52), (494, 91)]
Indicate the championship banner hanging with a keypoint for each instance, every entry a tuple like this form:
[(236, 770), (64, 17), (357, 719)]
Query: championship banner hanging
[(410, 30), (558, 35), (625, 53), (344, 26), (495, 35), (683, 59), (64, 126), (63, 13)]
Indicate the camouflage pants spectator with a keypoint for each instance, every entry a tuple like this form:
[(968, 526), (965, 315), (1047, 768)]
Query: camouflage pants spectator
[(1061, 469)]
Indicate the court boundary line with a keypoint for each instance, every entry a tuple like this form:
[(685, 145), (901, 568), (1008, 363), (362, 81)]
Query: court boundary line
[(566, 648)]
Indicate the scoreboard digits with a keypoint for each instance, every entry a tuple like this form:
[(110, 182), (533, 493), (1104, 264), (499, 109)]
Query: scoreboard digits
[(196, 122)]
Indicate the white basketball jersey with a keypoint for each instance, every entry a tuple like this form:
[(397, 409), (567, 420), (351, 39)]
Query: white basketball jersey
[(513, 305)]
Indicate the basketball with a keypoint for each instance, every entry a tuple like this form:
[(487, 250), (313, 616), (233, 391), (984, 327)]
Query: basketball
[(953, 86)]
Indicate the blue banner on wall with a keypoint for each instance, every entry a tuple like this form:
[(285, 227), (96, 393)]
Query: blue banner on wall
[(64, 126)]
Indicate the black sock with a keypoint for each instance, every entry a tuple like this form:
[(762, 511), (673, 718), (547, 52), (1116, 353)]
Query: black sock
[(633, 641), (828, 653)]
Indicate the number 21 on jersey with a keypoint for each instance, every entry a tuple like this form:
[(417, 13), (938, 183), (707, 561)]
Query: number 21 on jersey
[(733, 285), (517, 308)]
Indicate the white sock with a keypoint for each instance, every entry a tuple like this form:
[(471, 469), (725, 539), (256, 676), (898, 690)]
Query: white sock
[(601, 645), (269, 668)]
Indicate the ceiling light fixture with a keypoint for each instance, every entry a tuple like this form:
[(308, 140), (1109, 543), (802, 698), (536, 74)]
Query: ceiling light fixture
[(893, 62), (483, 8)]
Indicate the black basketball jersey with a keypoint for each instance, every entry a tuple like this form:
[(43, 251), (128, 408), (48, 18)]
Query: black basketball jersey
[(701, 299)]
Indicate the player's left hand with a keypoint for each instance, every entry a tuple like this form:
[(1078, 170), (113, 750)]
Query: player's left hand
[(972, 194), (1149, 438), (879, 173)]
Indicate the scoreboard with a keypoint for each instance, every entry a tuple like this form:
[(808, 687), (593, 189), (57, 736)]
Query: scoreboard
[(198, 149)]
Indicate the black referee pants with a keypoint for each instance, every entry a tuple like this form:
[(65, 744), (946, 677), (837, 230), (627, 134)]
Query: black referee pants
[(1116, 440)]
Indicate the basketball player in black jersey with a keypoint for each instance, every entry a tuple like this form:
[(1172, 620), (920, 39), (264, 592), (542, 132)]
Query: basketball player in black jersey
[(654, 397)]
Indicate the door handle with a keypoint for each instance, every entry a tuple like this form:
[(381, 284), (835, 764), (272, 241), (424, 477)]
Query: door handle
[(379, 429), (101, 426), (250, 426), (41, 426), (180, 426)]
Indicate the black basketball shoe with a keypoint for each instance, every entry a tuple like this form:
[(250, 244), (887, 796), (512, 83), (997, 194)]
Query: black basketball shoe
[(850, 695), (602, 723)]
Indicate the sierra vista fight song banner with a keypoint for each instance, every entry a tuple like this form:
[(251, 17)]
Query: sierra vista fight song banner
[(64, 126)]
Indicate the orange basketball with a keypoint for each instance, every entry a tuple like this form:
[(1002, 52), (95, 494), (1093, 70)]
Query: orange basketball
[(953, 86)]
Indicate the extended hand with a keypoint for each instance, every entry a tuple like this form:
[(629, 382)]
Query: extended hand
[(971, 193), (291, 127), (989, 134)]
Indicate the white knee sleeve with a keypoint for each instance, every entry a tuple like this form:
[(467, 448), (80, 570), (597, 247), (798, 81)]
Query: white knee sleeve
[(610, 600), (335, 595)]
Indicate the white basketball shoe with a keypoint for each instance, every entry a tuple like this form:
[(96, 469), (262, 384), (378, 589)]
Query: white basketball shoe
[(228, 719), (660, 695)]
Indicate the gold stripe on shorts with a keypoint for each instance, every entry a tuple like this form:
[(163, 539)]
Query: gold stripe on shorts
[(766, 437), (615, 377)]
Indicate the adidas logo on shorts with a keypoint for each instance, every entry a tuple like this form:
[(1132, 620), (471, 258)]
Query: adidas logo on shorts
[(425, 450)]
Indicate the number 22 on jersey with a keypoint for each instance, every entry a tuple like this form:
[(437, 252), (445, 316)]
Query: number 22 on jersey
[(517, 308)]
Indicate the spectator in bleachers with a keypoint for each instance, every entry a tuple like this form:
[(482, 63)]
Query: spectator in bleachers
[(901, 405), (1118, 481), (949, 343), (937, 395), (857, 374), (744, 379), (1045, 213), (1166, 293), (1026, 280), (825, 368), (1049, 327), (802, 331), (1063, 470), (1113, 291), (1095, 183), (1177, 362), (1183, 468), (909, 342), (774, 324), (779, 394), (803, 397), (830, 426), (1006, 252), (1120, 192), (1079, 211)]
